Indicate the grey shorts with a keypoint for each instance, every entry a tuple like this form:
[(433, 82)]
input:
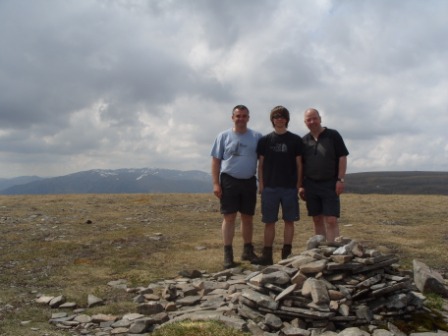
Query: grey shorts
[(273, 198)]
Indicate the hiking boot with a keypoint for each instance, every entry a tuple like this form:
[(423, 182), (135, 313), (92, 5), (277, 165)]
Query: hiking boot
[(248, 253), (265, 259), (228, 257), (286, 251)]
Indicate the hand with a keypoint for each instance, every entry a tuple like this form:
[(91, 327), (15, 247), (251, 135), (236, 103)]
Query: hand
[(217, 191), (302, 194), (339, 187)]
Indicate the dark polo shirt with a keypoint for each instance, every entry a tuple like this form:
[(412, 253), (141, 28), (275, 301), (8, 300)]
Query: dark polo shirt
[(321, 157)]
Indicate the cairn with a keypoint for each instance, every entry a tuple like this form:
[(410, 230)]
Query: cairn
[(332, 287)]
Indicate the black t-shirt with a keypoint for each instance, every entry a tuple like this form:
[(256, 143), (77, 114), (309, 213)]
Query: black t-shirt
[(321, 157), (280, 152)]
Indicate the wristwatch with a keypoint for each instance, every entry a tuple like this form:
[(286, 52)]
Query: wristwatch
[(341, 179)]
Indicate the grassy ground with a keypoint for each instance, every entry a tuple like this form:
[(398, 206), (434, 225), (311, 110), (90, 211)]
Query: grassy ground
[(75, 244)]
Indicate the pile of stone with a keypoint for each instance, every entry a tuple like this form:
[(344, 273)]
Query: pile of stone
[(325, 288), (332, 287)]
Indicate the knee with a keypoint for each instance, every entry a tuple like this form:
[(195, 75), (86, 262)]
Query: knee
[(230, 218), (332, 221), (289, 224)]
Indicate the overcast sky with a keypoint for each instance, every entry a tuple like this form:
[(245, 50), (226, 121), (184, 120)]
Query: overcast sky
[(108, 84)]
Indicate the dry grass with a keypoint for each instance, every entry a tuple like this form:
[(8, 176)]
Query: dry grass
[(188, 328), (74, 244)]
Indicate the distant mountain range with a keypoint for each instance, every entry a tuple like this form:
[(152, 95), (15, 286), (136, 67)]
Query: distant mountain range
[(148, 180), (105, 181)]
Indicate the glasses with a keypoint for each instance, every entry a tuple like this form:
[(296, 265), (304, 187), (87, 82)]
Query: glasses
[(278, 116)]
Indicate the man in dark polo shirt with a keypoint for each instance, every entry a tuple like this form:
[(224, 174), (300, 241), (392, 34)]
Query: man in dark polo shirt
[(324, 167)]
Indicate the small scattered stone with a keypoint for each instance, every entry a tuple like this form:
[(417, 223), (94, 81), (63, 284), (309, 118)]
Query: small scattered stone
[(44, 299), (93, 301), (56, 301), (190, 274), (58, 315), (150, 308)]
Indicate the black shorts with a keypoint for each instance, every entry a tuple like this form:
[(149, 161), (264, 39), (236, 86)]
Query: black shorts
[(238, 195), (321, 198)]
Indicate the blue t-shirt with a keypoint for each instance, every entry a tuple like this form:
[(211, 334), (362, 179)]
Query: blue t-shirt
[(237, 152)]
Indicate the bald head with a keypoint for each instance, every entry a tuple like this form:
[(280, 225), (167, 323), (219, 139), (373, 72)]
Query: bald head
[(311, 111)]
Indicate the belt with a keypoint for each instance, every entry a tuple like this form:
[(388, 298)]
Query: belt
[(323, 180), (235, 178)]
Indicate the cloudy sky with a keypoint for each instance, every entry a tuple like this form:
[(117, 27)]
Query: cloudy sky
[(149, 83)]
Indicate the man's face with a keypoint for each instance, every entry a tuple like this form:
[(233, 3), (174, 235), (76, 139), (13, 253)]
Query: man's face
[(312, 120), (240, 117), (279, 121)]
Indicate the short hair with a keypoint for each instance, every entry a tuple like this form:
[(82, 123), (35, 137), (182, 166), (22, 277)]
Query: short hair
[(282, 111), (312, 109), (240, 107)]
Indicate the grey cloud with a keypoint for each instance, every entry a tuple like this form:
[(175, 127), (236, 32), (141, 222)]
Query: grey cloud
[(292, 70), (87, 58), (224, 23), (97, 83), (385, 37)]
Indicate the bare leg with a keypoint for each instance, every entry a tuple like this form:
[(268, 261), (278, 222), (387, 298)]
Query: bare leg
[(319, 225), (288, 233), (228, 228), (269, 234), (332, 228), (247, 228)]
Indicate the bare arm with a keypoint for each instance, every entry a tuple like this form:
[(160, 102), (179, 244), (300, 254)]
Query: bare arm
[(300, 180), (260, 174), (342, 166), (299, 172), (216, 169), (341, 174)]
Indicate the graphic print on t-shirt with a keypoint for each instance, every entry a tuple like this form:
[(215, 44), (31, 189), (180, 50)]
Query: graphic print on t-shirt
[(279, 148), (238, 149)]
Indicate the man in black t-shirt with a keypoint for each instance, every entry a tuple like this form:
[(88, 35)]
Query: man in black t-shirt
[(324, 166), (279, 179)]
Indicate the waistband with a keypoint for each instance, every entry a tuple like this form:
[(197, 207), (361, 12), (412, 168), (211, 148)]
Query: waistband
[(235, 178), (320, 181)]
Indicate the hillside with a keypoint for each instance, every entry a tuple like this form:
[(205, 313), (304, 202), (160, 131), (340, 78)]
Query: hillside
[(147, 180), (6, 183), (412, 182)]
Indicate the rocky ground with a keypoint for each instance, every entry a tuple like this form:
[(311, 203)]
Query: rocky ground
[(341, 289)]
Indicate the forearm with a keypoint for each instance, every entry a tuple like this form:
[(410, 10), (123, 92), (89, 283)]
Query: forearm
[(260, 173), (216, 169), (342, 168), (299, 172), (260, 169)]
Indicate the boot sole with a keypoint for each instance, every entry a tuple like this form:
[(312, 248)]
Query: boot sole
[(263, 263), (248, 258)]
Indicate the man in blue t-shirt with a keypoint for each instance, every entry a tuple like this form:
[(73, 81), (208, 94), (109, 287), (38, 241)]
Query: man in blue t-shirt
[(279, 180), (324, 167), (234, 164)]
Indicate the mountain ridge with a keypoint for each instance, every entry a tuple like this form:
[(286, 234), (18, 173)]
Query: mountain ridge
[(158, 180), (125, 180)]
